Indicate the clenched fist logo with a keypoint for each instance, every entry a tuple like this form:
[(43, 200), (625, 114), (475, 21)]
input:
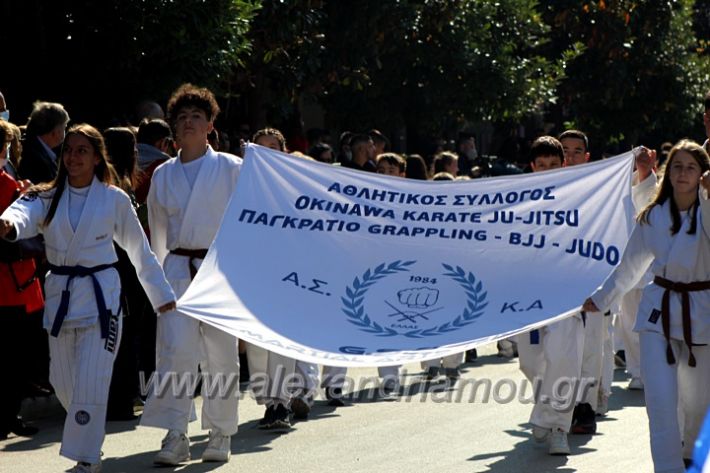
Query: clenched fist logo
[(418, 297)]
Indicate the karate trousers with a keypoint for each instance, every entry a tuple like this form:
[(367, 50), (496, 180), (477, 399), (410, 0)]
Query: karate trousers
[(183, 344), (271, 374), (556, 359), (80, 368), (673, 391)]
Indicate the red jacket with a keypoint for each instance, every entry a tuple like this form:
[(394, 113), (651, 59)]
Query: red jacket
[(18, 285)]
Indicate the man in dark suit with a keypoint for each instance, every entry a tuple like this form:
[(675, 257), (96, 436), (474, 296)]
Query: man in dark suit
[(38, 163), (45, 132)]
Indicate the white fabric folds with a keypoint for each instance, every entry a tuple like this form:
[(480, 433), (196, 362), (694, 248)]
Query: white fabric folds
[(346, 268)]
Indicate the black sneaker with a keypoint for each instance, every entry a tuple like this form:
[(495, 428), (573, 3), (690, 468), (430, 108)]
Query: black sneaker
[(300, 408), (471, 355), (432, 372), (584, 420), (452, 374), (281, 418), (267, 421), (19, 428), (334, 397)]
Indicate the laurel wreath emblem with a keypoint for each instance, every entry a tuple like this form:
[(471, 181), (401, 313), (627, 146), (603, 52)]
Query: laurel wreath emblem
[(354, 310)]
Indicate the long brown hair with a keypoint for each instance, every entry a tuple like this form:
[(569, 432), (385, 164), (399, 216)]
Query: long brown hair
[(102, 171), (121, 152), (666, 190)]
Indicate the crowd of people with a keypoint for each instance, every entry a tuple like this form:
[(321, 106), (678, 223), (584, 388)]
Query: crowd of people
[(102, 231)]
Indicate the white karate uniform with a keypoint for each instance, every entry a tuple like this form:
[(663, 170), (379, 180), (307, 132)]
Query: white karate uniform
[(597, 324), (309, 374), (182, 216), (271, 375), (677, 389), (608, 361), (627, 317), (557, 356), (642, 194), (334, 376), (81, 360), (447, 362), (595, 327)]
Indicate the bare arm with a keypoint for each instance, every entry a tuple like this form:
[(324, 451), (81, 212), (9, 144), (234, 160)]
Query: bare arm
[(645, 161)]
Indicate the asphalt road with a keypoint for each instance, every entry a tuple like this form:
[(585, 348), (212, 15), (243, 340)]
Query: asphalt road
[(424, 430)]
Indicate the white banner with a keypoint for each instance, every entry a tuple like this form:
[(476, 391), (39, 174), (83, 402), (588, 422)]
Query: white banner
[(348, 268)]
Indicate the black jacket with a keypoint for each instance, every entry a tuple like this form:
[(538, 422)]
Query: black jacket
[(36, 164)]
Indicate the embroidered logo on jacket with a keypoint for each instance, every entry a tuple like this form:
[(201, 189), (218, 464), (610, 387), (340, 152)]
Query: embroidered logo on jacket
[(655, 315), (82, 417), (112, 337)]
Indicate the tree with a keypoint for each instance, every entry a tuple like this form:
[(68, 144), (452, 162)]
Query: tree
[(428, 62), (640, 76), (100, 58), (287, 39), (420, 64)]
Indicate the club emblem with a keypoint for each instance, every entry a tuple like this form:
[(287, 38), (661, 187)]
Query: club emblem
[(422, 306)]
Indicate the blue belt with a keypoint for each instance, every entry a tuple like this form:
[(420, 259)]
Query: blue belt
[(81, 271)]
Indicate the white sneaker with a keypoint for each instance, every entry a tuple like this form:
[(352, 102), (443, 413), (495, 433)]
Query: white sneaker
[(540, 434), (390, 387), (602, 404), (175, 449), (86, 468), (636, 384), (506, 349), (219, 448), (558, 443)]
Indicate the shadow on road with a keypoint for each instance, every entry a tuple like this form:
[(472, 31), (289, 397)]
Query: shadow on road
[(527, 452)]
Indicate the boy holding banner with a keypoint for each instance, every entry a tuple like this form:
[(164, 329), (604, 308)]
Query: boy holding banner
[(554, 352), (575, 145), (596, 329), (182, 228)]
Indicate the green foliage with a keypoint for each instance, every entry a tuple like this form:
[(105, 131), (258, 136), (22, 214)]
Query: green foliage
[(619, 69), (427, 64), (287, 41), (640, 76), (188, 40)]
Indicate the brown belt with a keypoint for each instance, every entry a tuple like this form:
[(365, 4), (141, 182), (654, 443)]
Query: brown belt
[(683, 289), (190, 254)]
